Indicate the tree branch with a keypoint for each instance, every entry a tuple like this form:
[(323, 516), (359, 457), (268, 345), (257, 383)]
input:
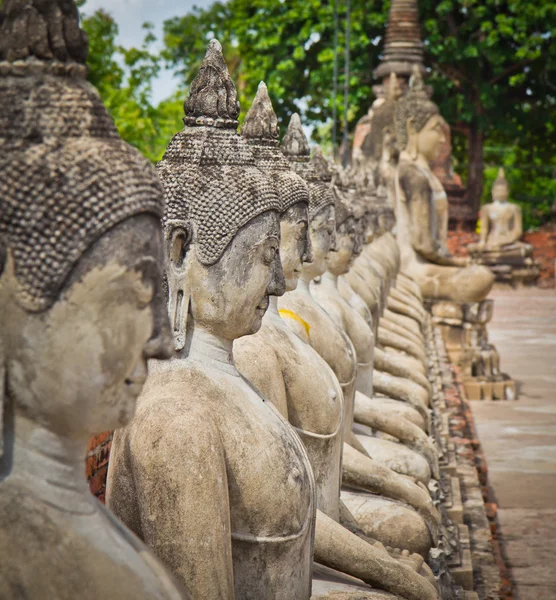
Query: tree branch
[(510, 70)]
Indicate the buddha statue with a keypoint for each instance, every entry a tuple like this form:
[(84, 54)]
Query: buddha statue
[(422, 205), (294, 377), (499, 246), (415, 456), (209, 473), (313, 324), (82, 311)]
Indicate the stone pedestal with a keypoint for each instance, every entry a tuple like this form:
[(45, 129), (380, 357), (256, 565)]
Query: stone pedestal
[(510, 268), (464, 330)]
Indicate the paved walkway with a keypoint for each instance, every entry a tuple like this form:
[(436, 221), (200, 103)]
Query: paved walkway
[(519, 438)]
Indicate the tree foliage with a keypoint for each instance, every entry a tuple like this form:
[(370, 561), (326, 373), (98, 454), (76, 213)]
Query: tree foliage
[(124, 78), (493, 71)]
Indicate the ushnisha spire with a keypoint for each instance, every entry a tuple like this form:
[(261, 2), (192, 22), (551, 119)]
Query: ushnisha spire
[(212, 97), (261, 122), (501, 179), (208, 171), (296, 148), (66, 177), (295, 145), (261, 131), (416, 106)]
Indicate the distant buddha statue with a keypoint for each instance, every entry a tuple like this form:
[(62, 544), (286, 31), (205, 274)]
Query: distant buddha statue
[(501, 224), (81, 246), (422, 206)]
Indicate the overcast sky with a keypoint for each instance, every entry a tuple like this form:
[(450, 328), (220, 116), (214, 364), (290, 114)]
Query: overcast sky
[(131, 14)]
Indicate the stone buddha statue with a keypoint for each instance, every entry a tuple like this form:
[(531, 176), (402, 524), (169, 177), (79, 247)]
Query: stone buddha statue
[(417, 457), (422, 205), (499, 246), (501, 221), (294, 377), (82, 310), (209, 473), (313, 324)]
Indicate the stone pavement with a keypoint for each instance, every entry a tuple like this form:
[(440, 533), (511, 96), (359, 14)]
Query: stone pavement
[(519, 438)]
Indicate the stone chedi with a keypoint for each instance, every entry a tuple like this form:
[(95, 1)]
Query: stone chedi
[(82, 310), (290, 373), (313, 324), (422, 207), (499, 246)]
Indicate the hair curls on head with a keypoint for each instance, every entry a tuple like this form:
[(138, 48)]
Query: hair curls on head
[(416, 106)]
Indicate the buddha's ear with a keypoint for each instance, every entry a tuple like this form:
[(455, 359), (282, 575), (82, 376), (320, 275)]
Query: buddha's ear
[(178, 235), (412, 140), (410, 127)]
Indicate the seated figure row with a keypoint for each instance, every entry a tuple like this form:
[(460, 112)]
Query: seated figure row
[(231, 476)]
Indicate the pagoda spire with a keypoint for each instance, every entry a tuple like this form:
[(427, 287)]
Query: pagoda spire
[(403, 47)]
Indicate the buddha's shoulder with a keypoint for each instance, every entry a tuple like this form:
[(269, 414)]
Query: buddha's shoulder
[(187, 393), (410, 174)]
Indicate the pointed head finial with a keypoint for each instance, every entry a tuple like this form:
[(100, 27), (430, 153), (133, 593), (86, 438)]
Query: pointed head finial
[(41, 36), (295, 144), (212, 97), (261, 121), (393, 91), (321, 165), (500, 187), (416, 83)]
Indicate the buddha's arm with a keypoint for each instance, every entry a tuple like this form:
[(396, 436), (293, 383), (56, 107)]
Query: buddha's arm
[(402, 389), (361, 472), (402, 429), (182, 495), (339, 549), (518, 224), (396, 365), (420, 226)]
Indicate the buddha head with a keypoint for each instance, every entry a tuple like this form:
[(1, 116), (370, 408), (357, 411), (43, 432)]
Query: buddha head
[(82, 246), (348, 236), (322, 226), (222, 215), (376, 141), (260, 130), (419, 124), (500, 187)]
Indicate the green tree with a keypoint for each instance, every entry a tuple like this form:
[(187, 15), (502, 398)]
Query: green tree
[(124, 78), (494, 74), (493, 66), (289, 45)]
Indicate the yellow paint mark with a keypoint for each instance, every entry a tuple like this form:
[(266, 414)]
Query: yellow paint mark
[(289, 314)]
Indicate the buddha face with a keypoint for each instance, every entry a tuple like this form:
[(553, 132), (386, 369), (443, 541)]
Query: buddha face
[(430, 138), (500, 192), (230, 297), (78, 367), (322, 231), (295, 243), (340, 262)]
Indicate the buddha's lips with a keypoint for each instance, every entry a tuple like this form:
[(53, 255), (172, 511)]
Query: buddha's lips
[(263, 305)]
